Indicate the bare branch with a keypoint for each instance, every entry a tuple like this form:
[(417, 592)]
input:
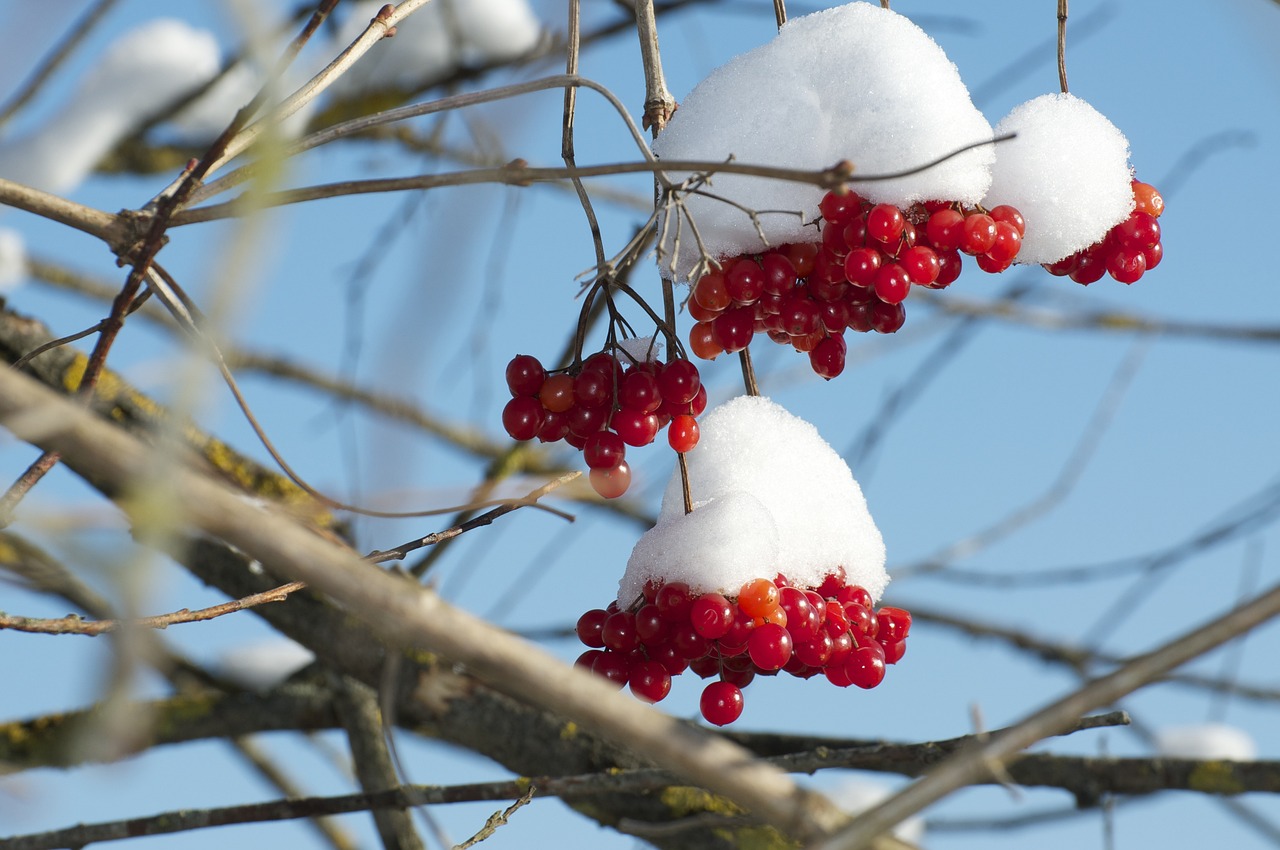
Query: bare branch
[(74, 625)]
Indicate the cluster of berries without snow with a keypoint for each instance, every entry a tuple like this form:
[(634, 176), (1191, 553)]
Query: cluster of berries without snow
[(769, 626), (604, 408), (1129, 250), (808, 295)]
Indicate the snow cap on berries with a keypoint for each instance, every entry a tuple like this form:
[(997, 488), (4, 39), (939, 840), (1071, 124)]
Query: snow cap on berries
[(771, 496), (1067, 172), (641, 349), (857, 83)]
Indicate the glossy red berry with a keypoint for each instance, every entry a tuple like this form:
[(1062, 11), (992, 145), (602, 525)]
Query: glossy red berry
[(523, 417), (525, 375), (682, 433), (721, 703)]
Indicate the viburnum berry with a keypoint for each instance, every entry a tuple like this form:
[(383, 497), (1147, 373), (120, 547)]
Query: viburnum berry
[(525, 375), (679, 382), (885, 223), (611, 483), (721, 703), (650, 681), (523, 417), (682, 433), (979, 234), (758, 597), (770, 647), (589, 627), (828, 356), (604, 450)]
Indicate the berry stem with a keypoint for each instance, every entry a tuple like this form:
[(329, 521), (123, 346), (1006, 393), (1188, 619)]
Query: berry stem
[(1062, 45), (684, 483), (780, 12), (748, 372)]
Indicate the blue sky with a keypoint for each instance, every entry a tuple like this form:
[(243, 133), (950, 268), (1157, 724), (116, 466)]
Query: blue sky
[(473, 276)]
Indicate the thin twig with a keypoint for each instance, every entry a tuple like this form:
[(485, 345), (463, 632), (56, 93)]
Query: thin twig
[(498, 819), (74, 625), (970, 766), (1062, 45), (398, 553)]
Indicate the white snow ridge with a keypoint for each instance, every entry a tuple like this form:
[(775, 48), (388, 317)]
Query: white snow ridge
[(770, 496), (856, 82)]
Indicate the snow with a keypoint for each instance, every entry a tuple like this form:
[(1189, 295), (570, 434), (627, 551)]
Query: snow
[(435, 41), (138, 75), (261, 666), (856, 82), (1205, 741), (857, 795), (1067, 172), (770, 496), (13, 260), (641, 349)]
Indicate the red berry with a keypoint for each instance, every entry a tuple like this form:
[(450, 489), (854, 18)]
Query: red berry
[(555, 426), (894, 650), (945, 229), (669, 657), (525, 375), (679, 382), (674, 600), (650, 681), (523, 417), (1004, 212), (780, 273), (979, 234), (711, 615), (611, 483), (840, 207), (604, 450), (800, 315), (861, 265), (639, 391), (864, 666), (895, 623), (886, 318), (1140, 230), (702, 341), (758, 597), (1127, 264), (585, 421), (921, 263), (1089, 267), (556, 394), (589, 627), (885, 223), (1147, 199), (635, 428), (801, 258), (827, 357), (892, 283), (592, 388), (682, 433), (1008, 243), (651, 628), (816, 651), (1153, 255), (950, 265), (612, 666), (733, 329), (745, 281), (711, 293), (721, 703), (770, 647), (619, 632)]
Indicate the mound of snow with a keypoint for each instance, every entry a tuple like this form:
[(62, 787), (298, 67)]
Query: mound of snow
[(1067, 172), (857, 82), (435, 41), (265, 664), (140, 74), (1206, 741), (770, 496)]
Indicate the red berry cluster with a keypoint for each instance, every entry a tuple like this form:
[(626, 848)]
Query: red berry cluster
[(604, 408), (769, 626), (807, 296), (1129, 250)]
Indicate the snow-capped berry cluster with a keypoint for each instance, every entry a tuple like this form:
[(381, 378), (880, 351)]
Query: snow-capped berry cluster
[(769, 626), (806, 296), (604, 408), (1129, 250)]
